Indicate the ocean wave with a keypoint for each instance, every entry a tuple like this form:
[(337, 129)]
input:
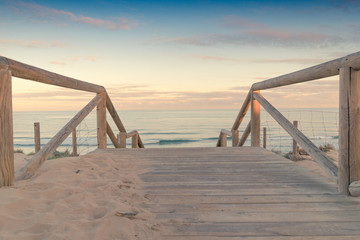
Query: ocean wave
[(173, 141), (165, 133)]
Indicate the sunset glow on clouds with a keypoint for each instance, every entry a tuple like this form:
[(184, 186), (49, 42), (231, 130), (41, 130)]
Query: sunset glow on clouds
[(176, 54)]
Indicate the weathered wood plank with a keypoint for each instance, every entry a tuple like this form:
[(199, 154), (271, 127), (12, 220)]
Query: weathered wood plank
[(328, 166), (111, 135), (344, 130), (37, 136), (354, 163), (243, 110), (6, 130), (25, 71), (35, 162), (323, 70), (74, 143), (101, 121), (255, 121), (245, 135)]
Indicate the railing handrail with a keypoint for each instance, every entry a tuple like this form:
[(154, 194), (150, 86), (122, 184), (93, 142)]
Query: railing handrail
[(102, 101), (348, 68)]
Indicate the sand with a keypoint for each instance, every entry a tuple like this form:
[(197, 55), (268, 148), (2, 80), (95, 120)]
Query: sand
[(85, 197)]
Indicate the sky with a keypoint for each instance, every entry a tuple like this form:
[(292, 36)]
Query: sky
[(170, 55)]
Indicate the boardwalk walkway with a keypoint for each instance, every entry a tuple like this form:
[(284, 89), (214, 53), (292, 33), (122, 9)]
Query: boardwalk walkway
[(242, 193)]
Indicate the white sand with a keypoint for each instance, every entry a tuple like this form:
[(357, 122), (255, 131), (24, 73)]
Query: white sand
[(76, 198)]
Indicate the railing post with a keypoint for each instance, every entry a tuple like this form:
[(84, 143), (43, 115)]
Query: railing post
[(295, 145), (223, 140), (264, 137), (122, 139), (101, 121), (7, 173), (37, 136), (74, 142), (255, 121), (235, 137), (135, 141), (349, 129)]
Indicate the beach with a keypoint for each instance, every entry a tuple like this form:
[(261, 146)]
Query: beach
[(86, 197)]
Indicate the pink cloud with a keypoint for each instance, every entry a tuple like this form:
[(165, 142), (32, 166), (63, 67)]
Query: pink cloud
[(213, 58)]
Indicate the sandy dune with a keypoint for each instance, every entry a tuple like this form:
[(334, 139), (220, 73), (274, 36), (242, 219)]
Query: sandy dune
[(85, 197)]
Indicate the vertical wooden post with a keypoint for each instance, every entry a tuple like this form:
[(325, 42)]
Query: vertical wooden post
[(255, 121), (344, 130), (122, 139), (264, 137), (37, 136), (354, 110), (223, 140), (74, 142), (135, 141), (235, 137), (101, 121), (7, 173), (295, 145)]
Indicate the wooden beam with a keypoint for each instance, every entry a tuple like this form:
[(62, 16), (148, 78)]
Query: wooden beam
[(226, 132), (242, 112), (6, 130), (141, 144), (255, 121), (35, 162), (37, 136), (112, 136), (245, 135), (344, 130), (235, 137), (123, 139), (354, 110), (101, 121), (264, 137), (319, 157), (295, 145), (25, 71), (135, 140), (74, 143), (223, 140), (131, 134), (323, 70), (110, 107)]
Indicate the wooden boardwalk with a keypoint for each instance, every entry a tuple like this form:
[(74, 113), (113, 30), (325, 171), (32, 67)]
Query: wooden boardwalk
[(242, 193)]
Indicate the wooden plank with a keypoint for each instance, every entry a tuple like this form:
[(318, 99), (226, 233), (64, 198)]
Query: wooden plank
[(264, 137), (344, 130), (354, 154), (123, 136), (36, 161), (245, 135), (235, 137), (25, 71), (328, 166), (200, 237), (295, 146), (131, 134), (140, 143), (101, 121), (6, 130), (226, 229), (354, 189), (255, 121), (74, 143), (226, 132), (110, 107), (111, 135), (242, 112), (37, 136), (323, 70), (135, 141), (223, 140)]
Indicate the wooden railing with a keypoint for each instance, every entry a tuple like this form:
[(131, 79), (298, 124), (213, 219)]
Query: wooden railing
[(101, 101), (348, 68)]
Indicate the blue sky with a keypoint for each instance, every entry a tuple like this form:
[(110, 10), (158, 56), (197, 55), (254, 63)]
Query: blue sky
[(176, 54)]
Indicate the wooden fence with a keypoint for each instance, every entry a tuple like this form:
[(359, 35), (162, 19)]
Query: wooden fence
[(348, 68), (101, 101)]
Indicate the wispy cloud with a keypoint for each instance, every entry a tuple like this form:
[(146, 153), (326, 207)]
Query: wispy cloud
[(213, 58), (246, 32), (31, 43), (74, 59), (51, 14), (306, 61)]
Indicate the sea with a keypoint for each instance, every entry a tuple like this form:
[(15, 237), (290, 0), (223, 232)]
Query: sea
[(176, 128)]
